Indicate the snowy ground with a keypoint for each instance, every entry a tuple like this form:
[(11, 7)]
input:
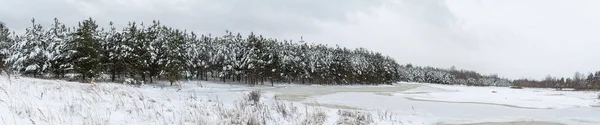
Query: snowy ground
[(35, 101)]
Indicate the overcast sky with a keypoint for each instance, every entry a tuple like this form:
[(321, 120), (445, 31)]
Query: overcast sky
[(512, 38)]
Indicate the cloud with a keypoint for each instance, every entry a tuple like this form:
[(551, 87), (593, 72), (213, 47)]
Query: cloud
[(513, 38), (271, 16)]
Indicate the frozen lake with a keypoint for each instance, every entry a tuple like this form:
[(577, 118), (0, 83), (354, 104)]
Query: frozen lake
[(456, 104)]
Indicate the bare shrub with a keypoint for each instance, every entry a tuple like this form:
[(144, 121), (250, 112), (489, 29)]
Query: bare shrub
[(247, 111), (354, 118), (389, 116), (254, 96), (317, 117), (255, 121), (285, 109), (516, 87), (130, 81)]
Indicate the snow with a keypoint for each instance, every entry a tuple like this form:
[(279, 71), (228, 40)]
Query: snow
[(527, 98), (35, 101), (463, 104)]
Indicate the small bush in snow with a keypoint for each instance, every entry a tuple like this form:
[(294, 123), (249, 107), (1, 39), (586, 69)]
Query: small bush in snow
[(285, 109), (354, 118), (516, 87), (129, 81), (254, 96), (598, 95), (317, 117), (132, 81), (255, 121)]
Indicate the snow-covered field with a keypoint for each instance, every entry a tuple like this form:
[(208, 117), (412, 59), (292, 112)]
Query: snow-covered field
[(36, 101)]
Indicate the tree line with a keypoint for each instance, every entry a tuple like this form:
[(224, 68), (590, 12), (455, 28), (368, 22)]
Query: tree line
[(146, 53), (579, 81)]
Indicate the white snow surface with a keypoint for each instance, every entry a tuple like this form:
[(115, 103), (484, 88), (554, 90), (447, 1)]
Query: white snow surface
[(36, 101), (525, 98)]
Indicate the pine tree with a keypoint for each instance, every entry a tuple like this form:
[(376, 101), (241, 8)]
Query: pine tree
[(203, 56), (174, 55), (58, 37), (86, 49), (197, 55), (5, 43), (31, 53), (258, 58), (273, 63), (141, 48), (112, 59), (134, 52), (155, 35), (157, 51)]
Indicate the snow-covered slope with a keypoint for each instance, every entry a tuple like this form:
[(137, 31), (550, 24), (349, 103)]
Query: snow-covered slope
[(526, 98), (36, 101)]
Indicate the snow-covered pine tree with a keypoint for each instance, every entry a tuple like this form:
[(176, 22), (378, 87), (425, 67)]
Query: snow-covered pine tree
[(203, 57), (271, 69), (340, 66), (155, 35), (58, 53), (197, 55), (5, 43), (126, 50), (139, 51), (191, 46), (229, 49), (31, 55), (216, 49), (256, 51), (321, 66), (112, 58), (304, 63), (361, 65), (133, 52), (86, 50), (174, 55), (264, 59), (291, 61)]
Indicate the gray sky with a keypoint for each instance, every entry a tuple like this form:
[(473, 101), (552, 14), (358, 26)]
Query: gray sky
[(512, 38)]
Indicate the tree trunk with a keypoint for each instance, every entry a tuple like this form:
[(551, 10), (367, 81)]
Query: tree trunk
[(143, 77), (56, 73), (113, 75), (198, 74), (83, 77)]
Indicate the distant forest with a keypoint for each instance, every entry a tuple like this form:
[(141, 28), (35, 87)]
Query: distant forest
[(144, 53), (579, 81)]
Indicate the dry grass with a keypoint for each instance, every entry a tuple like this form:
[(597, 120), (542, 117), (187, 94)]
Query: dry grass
[(511, 123), (58, 102), (286, 110), (254, 96), (317, 117), (354, 118)]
